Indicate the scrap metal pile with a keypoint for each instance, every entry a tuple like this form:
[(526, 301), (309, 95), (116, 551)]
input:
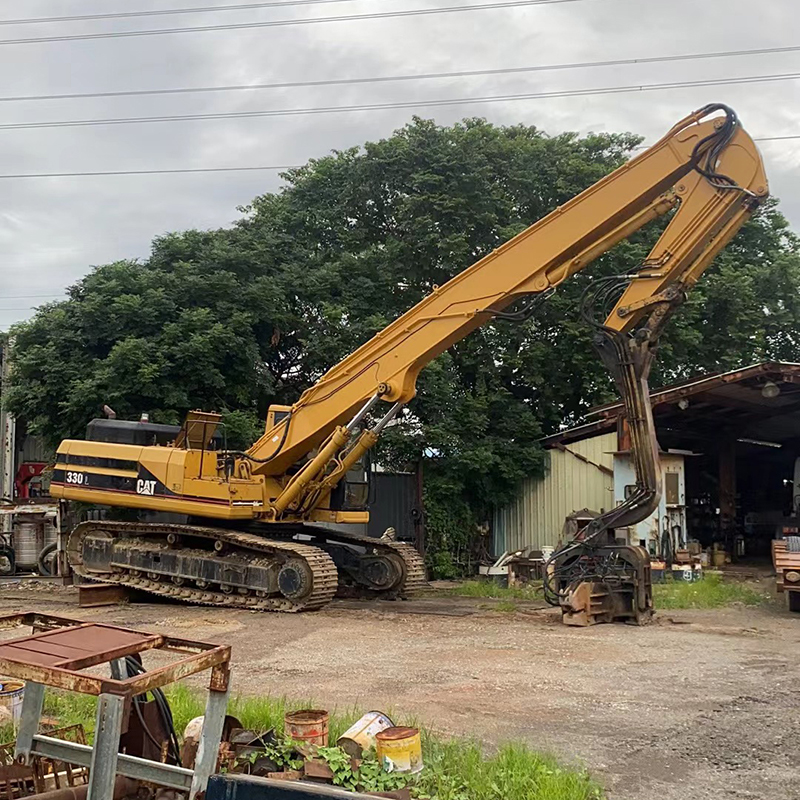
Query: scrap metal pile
[(136, 751)]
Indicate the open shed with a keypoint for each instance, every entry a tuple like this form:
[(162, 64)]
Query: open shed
[(739, 433)]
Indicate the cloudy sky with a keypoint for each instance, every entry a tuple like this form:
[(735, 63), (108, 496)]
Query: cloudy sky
[(52, 230)]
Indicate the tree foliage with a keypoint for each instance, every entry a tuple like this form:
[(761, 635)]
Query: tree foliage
[(237, 318)]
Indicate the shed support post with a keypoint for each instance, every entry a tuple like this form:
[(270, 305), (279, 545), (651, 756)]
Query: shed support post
[(727, 487)]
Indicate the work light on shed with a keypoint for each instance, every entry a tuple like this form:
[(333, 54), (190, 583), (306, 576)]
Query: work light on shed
[(770, 390)]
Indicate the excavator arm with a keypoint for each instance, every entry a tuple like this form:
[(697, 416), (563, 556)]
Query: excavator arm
[(706, 168)]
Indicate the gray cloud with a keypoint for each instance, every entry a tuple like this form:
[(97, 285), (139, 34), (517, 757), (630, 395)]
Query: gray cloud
[(53, 230)]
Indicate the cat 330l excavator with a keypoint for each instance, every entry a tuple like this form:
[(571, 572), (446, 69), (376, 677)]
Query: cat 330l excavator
[(251, 536)]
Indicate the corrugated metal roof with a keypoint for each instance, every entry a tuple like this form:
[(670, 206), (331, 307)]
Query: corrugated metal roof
[(714, 382), (579, 476), (713, 397)]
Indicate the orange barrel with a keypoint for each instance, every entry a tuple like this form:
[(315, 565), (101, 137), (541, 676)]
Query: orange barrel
[(307, 725), (400, 749), (361, 736)]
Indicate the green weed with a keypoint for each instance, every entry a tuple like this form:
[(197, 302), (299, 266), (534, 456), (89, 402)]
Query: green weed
[(709, 592), (460, 770), (455, 769), (532, 591)]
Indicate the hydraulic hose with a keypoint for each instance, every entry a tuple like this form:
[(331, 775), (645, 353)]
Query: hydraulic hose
[(41, 561)]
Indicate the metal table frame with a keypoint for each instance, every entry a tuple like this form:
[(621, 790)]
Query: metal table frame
[(114, 700)]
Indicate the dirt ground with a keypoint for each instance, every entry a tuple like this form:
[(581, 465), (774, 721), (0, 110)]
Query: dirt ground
[(700, 704)]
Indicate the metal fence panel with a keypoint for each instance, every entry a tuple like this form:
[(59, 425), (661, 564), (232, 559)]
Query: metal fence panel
[(575, 479), (394, 505)]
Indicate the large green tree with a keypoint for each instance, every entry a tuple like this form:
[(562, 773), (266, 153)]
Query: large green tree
[(237, 318)]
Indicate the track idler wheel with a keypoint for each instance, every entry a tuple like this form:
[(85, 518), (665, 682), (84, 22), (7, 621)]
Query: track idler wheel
[(383, 572), (295, 580)]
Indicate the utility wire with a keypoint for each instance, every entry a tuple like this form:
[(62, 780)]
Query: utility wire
[(422, 76), (776, 138), (167, 11), (288, 112), (415, 12), (755, 139), (144, 172), (240, 169)]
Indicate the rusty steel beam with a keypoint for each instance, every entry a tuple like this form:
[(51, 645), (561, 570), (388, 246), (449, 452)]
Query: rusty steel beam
[(55, 677), (155, 679), (36, 620), (176, 645), (220, 677), (101, 594)]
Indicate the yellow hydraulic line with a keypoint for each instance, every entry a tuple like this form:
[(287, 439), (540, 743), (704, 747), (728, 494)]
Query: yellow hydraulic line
[(366, 441), (298, 483)]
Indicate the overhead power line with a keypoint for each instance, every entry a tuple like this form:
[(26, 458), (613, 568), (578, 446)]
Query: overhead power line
[(157, 12), (28, 296), (410, 77), (776, 138), (414, 12), (145, 172), (287, 112), (101, 173)]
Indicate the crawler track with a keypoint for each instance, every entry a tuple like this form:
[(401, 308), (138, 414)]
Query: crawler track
[(242, 550), (245, 548), (414, 576)]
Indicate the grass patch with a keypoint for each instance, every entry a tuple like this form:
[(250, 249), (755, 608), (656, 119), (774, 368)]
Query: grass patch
[(709, 592), (455, 769), (533, 591)]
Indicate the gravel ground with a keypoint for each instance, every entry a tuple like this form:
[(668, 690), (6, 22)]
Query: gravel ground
[(698, 705)]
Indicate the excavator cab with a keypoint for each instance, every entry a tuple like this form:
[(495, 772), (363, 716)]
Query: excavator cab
[(352, 493), (276, 414)]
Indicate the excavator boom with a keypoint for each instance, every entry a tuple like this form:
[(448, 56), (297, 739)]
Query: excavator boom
[(535, 261)]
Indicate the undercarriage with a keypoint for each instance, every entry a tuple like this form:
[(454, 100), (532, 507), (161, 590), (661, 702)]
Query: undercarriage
[(300, 569)]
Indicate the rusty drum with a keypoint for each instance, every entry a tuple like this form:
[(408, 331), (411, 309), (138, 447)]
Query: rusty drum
[(11, 694), (307, 725)]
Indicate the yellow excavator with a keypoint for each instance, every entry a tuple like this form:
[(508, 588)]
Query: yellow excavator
[(247, 529)]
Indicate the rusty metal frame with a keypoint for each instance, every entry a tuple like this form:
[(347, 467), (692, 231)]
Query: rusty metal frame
[(606, 416), (200, 656), (68, 655)]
